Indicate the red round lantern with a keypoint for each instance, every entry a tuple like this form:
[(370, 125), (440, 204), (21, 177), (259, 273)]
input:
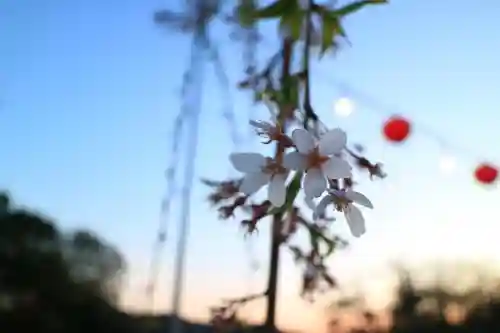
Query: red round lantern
[(397, 129), (486, 173)]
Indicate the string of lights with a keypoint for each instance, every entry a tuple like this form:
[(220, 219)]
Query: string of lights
[(399, 126)]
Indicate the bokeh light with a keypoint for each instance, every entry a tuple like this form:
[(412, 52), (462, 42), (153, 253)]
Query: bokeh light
[(343, 107)]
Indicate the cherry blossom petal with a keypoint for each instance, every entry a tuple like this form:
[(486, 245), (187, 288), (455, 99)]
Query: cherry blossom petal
[(247, 162), (310, 203), (303, 140), (355, 220), (314, 183), (252, 182), (332, 142), (337, 168), (358, 198), (277, 190), (295, 161), (264, 125), (319, 211)]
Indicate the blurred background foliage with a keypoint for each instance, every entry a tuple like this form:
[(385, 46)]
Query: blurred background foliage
[(56, 281)]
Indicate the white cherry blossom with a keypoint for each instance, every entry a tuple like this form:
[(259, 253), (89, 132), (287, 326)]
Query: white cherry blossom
[(269, 130), (310, 203), (344, 201), (259, 171), (265, 129), (318, 159)]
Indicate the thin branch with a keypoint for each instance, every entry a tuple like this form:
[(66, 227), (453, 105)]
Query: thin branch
[(309, 114)]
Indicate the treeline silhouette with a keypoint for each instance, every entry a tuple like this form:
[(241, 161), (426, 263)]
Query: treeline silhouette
[(54, 281), (435, 308)]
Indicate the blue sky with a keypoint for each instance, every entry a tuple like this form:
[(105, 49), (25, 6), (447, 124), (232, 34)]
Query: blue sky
[(88, 91)]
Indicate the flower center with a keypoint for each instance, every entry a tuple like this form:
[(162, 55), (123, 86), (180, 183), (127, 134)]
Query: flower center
[(272, 167), (315, 159), (340, 201)]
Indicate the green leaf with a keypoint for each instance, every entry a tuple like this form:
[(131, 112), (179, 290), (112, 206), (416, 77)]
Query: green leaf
[(329, 30), (246, 13), (286, 90), (276, 9), (294, 89), (291, 193), (332, 27), (269, 93), (316, 235), (330, 243), (292, 22), (357, 5)]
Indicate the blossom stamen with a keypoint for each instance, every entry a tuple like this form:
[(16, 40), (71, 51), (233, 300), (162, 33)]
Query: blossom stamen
[(340, 200)]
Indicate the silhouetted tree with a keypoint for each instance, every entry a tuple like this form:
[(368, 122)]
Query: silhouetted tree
[(94, 263), (424, 309), (51, 282)]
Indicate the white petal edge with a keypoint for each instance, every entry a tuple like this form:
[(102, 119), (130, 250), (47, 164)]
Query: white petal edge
[(314, 183), (303, 140), (355, 221), (332, 142), (319, 212), (295, 161), (358, 198), (277, 190), (247, 162), (337, 168), (252, 182), (264, 125)]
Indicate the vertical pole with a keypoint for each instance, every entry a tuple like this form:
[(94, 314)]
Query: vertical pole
[(194, 110)]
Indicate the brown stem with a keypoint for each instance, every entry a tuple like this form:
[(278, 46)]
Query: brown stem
[(245, 299), (309, 114), (277, 218)]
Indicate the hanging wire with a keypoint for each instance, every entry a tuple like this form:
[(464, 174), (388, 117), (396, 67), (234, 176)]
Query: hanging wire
[(195, 20), (373, 104), (179, 128), (228, 113), (191, 154), (376, 105)]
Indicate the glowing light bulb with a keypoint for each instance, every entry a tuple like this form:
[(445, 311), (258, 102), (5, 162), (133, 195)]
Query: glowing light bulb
[(447, 164), (343, 107)]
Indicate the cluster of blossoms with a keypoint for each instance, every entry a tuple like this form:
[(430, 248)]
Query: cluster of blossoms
[(320, 161)]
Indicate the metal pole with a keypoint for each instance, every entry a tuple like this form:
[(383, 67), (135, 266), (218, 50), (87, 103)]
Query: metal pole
[(196, 68)]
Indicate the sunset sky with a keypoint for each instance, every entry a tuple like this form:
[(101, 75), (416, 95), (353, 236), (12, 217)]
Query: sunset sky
[(89, 88)]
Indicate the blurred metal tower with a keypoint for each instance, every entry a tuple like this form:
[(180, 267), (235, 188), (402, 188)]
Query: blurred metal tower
[(193, 20), (194, 108)]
